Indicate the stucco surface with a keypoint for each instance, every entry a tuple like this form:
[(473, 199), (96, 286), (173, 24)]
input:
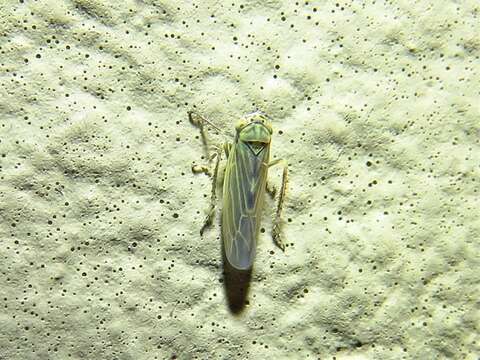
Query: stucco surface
[(375, 107)]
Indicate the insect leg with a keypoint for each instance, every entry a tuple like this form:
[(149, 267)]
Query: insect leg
[(222, 169), (277, 222), (213, 196), (206, 168), (199, 121)]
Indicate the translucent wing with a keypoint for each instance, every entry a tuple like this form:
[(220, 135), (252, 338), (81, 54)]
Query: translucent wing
[(243, 193)]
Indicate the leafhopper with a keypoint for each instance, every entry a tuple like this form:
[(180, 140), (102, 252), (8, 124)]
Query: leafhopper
[(244, 186)]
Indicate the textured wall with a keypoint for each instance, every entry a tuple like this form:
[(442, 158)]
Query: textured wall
[(375, 107)]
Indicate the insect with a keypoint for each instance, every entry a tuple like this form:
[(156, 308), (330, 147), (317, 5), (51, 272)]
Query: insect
[(244, 186)]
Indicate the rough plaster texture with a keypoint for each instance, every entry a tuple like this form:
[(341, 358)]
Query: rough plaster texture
[(375, 107)]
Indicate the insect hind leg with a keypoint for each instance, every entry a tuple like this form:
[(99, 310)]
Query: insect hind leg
[(213, 196), (277, 223)]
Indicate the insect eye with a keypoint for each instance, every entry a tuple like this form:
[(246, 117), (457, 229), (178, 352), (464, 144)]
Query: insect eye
[(240, 125)]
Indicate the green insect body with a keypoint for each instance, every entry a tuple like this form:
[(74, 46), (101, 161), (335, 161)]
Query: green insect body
[(244, 190), (244, 185)]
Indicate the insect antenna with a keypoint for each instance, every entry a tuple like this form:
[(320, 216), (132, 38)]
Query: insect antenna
[(201, 120)]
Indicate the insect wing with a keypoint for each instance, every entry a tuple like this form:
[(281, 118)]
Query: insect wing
[(243, 193)]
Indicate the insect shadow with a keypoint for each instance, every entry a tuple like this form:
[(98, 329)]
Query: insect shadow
[(236, 285)]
